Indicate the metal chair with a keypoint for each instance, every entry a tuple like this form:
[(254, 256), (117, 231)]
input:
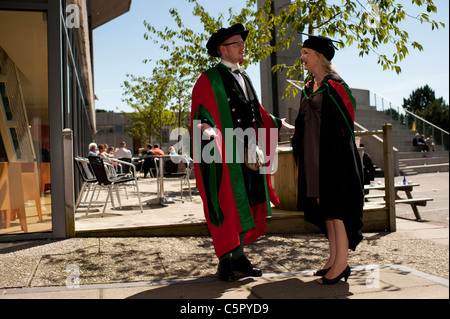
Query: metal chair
[(86, 172), (103, 179), (87, 176), (126, 169)]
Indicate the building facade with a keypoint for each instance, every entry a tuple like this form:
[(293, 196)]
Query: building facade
[(113, 128), (46, 86), (273, 85)]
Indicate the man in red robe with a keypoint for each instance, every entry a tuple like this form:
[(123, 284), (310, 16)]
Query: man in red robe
[(227, 123)]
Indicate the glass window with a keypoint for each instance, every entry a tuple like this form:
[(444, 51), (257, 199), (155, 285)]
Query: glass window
[(109, 129), (5, 101), (15, 143), (118, 129), (100, 129), (25, 199)]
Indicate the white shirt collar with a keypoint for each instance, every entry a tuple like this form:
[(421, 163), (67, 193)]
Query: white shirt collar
[(233, 66)]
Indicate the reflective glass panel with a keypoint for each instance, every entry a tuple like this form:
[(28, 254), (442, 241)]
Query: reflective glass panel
[(25, 186)]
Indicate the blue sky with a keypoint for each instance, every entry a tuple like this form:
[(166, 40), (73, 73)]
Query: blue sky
[(120, 48)]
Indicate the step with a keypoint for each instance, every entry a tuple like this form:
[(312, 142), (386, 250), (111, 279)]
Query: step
[(408, 173), (422, 161), (405, 155), (433, 168), (405, 147), (282, 222), (360, 107), (373, 119)]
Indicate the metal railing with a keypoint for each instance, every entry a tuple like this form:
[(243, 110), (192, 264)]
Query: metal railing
[(410, 120)]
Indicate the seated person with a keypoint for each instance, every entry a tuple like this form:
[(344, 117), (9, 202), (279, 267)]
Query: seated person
[(92, 150), (423, 143), (430, 143), (368, 169), (102, 151), (122, 151), (172, 151), (149, 163), (418, 142), (156, 150)]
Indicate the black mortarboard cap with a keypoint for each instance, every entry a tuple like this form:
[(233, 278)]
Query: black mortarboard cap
[(221, 35), (320, 44)]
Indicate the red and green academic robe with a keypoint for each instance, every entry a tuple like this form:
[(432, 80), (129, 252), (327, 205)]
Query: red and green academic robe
[(220, 181)]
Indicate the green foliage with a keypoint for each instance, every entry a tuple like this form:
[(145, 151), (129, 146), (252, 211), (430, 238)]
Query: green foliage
[(419, 99), (437, 113), (423, 102), (148, 97), (371, 29)]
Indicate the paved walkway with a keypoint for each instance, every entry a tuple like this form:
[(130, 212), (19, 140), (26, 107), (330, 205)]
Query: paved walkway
[(103, 268), (410, 263)]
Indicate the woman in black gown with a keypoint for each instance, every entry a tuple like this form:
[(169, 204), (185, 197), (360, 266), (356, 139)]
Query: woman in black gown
[(330, 181)]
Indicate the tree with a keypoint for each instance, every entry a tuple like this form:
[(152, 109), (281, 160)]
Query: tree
[(419, 99), (137, 92), (437, 113), (149, 99), (370, 30), (177, 89), (423, 102)]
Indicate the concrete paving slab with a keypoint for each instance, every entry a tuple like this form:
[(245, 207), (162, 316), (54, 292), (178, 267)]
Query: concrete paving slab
[(57, 294), (407, 225), (295, 287), (438, 233), (428, 292), (191, 290), (366, 282), (399, 278)]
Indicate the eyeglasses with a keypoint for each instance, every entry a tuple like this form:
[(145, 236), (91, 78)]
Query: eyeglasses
[(236, 44)]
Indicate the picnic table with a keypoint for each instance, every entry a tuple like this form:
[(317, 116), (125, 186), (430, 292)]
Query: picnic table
[(407, 188)]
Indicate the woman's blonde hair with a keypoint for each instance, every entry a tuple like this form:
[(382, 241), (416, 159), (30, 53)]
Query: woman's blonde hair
[(326, 64)]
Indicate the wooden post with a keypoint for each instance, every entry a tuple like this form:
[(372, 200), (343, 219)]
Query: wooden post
[(68, 182), (285, 180), (389, 175)]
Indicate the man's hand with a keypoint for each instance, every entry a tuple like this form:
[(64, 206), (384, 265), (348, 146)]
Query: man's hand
[(286, 125), (207, 130)]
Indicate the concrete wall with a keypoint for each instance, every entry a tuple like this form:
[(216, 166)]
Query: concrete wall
[(119, 123), (287, 108)]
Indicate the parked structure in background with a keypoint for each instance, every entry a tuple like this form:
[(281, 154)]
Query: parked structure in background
[(113, 128)]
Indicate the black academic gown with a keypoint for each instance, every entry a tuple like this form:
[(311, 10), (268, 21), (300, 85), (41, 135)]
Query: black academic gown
[(341, 187)]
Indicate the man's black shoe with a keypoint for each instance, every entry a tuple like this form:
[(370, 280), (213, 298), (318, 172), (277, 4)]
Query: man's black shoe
[(225, 270), (244, 265)]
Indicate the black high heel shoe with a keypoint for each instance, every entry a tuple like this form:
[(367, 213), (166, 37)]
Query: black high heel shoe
[(321, 272), (345, 274)]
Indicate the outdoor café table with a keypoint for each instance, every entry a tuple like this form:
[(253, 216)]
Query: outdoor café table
[(407, 188), (160, 196)]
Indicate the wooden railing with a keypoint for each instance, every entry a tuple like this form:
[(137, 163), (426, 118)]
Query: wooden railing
[(287, 188)]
